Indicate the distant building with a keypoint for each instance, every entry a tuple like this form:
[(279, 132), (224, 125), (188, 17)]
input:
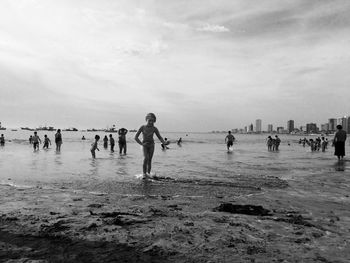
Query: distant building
[(258, 126), (348, 127), (342, 121), (251, 128), (280, 129), (311, 128), (290, 126), (325, 127), (332, 123), (270, 128)]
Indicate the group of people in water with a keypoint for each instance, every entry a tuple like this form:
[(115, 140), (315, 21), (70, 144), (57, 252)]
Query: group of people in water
[(322, 143), (35, 141), (315, 145), (273, 143), (148, 130), (121, 142)]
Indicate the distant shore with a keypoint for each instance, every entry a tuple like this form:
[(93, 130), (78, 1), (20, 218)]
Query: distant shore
[(268, 220)]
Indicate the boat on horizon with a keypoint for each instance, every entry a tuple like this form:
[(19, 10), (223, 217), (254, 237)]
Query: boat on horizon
[(94, 130), (27, 129), (113, 129), (71, 129), (2, 128), (45, 128)]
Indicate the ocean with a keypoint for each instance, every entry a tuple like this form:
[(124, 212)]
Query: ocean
[(202, 156)]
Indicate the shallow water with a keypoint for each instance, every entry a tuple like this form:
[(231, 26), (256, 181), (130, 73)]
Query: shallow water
[(203, 156)]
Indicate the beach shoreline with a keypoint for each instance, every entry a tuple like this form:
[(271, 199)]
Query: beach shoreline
[(267, 220)]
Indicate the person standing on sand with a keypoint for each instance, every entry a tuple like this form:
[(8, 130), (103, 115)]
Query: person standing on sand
[(148, 142), (94, 146), (112, 143), (339, 142), (58, 140), (36, 140), (122, 140), (229, 139)]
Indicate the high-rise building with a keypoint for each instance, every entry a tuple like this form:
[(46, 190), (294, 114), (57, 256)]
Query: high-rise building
[(343, 121), (280, 129), (332, 123), (251, 128), (325, 127), (258, 126), (269, 127), (290, 126), (311, 128)]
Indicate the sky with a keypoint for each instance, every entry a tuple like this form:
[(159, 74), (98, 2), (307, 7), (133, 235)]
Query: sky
[(198, 65)]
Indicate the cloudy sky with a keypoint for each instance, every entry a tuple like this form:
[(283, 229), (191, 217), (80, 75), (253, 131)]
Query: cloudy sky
[(199, 65)]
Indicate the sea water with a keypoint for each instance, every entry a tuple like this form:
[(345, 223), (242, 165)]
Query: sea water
[(201, 156)]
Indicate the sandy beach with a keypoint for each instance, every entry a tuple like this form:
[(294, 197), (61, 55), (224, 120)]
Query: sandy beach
[(262, 220)]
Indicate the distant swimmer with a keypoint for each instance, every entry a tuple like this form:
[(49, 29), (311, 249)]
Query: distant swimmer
[(339, 142), (148, 142), (2, 140), (229, 139), (313, 145), (36, 140), (94, 146), (277, 142), (164, 146), (46, 142), (179, 141), (269, 143), (323, 144), (111, 142), (105, 142), (122, 140), (58, 140), (83, 138)]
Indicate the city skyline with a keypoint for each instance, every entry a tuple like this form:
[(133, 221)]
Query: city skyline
[(330, 125)]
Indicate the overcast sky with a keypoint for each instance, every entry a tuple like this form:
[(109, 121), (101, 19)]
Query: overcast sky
[(198, 65)]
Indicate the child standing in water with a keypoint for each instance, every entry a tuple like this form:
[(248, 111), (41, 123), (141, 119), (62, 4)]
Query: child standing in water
[(36, 140), (46, 142), (94, 146), (58, 140), (105, 142), (148, 142), (122, 140), (111, 141)]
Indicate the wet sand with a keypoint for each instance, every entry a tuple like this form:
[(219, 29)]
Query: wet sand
[(262, 219)]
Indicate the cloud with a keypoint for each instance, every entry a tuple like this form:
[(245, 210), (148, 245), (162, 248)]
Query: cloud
[(213, 28), (186, 59)]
